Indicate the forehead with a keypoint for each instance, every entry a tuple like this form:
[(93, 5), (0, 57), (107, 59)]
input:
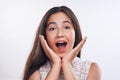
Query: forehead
[(58, 17)]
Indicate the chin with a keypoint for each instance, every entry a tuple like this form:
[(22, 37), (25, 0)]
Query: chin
[(61, 55)]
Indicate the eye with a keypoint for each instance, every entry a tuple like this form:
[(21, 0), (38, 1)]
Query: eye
[(67, 27), (51, 29)]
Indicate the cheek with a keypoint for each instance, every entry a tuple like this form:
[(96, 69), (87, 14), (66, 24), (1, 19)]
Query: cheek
[(49, 39), (71, 36)]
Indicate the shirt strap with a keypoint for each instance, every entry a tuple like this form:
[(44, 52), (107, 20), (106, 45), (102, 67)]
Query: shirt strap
[(85, 69)]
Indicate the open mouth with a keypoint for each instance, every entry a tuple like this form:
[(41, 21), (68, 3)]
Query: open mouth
[(61, 45)]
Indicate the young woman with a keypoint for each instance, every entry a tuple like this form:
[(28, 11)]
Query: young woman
[(56, 51)]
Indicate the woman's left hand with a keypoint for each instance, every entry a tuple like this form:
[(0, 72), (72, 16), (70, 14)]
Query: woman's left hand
[(73, 53), (67, 60)]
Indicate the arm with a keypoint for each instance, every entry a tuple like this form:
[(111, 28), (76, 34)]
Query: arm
[(94, 73), (68, 72), (52, 75), (54, 72), (67, 60), (35, 76)]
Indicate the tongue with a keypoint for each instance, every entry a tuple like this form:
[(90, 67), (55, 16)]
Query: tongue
[(61, 47)]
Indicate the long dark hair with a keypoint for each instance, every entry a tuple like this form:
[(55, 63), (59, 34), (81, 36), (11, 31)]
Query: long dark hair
[(37, 56)]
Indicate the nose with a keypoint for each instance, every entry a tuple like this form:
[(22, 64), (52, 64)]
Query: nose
[(60, 33)]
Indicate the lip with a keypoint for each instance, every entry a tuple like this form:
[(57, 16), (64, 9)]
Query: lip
[(60, 41), (61, 49)]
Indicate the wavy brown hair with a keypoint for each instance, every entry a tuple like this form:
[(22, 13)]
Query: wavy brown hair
[(37, 56)]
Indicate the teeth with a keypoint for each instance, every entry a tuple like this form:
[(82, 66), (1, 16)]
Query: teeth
[(60, 42)]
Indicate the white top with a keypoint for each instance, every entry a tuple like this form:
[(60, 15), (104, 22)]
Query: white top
[(80, 68)]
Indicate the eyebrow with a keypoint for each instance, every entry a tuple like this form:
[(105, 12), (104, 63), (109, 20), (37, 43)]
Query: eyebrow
[(66, 21), (56, 23), (51, 23)]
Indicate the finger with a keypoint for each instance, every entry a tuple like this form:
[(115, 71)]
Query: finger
[(48, 51), (80, 45), (45, 46), (43, 42)]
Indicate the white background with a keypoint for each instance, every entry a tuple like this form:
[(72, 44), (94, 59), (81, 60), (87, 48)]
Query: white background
[(99, 20)]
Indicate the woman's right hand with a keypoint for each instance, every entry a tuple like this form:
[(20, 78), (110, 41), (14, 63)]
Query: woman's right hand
[(55, 59), (49, 52)]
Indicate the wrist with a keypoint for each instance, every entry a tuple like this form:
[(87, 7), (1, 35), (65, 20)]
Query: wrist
[(56, 61), (65, 61), (65, 64), (57, 64)]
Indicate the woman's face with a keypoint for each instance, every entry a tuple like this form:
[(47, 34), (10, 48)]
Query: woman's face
[(60, 34)]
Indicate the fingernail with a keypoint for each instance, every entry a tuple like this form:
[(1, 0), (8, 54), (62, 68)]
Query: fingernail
[(85, 38), (40, 36)]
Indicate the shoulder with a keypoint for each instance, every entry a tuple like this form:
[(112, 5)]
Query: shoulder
[(94, 72), (35, 76)]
